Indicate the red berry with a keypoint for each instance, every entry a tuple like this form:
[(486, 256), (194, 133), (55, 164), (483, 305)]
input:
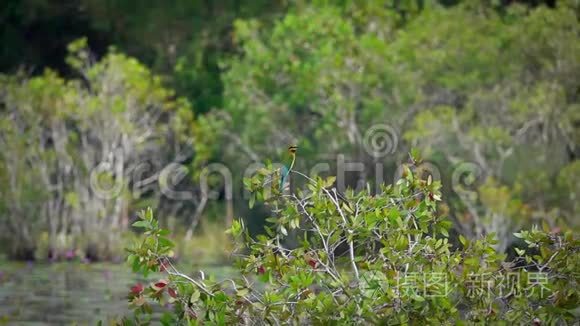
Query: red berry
[(137, 288), (312, 263), (160, 285)]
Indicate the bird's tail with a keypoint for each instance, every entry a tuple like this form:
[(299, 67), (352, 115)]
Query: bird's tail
[(284, 175)]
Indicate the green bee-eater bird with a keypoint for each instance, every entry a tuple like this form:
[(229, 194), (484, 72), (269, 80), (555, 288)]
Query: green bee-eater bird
[(286, 170)]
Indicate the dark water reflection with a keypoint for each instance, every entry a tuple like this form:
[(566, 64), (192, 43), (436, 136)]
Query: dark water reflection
[(67, 293)]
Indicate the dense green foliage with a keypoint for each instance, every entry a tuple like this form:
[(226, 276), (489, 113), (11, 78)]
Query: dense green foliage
[(107, 107), (488, 90), (383, 259), (478, 89)]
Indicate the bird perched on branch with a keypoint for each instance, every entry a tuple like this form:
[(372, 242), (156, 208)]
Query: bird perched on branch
[(286, 170)]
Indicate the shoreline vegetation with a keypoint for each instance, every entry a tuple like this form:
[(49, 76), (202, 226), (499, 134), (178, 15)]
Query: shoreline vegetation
[(187, 109), (478, 88)]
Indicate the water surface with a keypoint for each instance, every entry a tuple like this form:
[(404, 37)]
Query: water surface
[(68, 293)]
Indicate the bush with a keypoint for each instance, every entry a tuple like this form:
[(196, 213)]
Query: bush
[(363, 258)]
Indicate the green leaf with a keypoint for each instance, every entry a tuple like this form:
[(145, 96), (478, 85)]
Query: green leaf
[(415, 154), (142, 224), (194, 296), (166, 242), (329, 181), (463, 241), (252, 201), (149, 214), (136, 264), (243, 292)]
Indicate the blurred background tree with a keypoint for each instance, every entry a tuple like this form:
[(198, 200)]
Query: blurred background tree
[(75, 151)]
